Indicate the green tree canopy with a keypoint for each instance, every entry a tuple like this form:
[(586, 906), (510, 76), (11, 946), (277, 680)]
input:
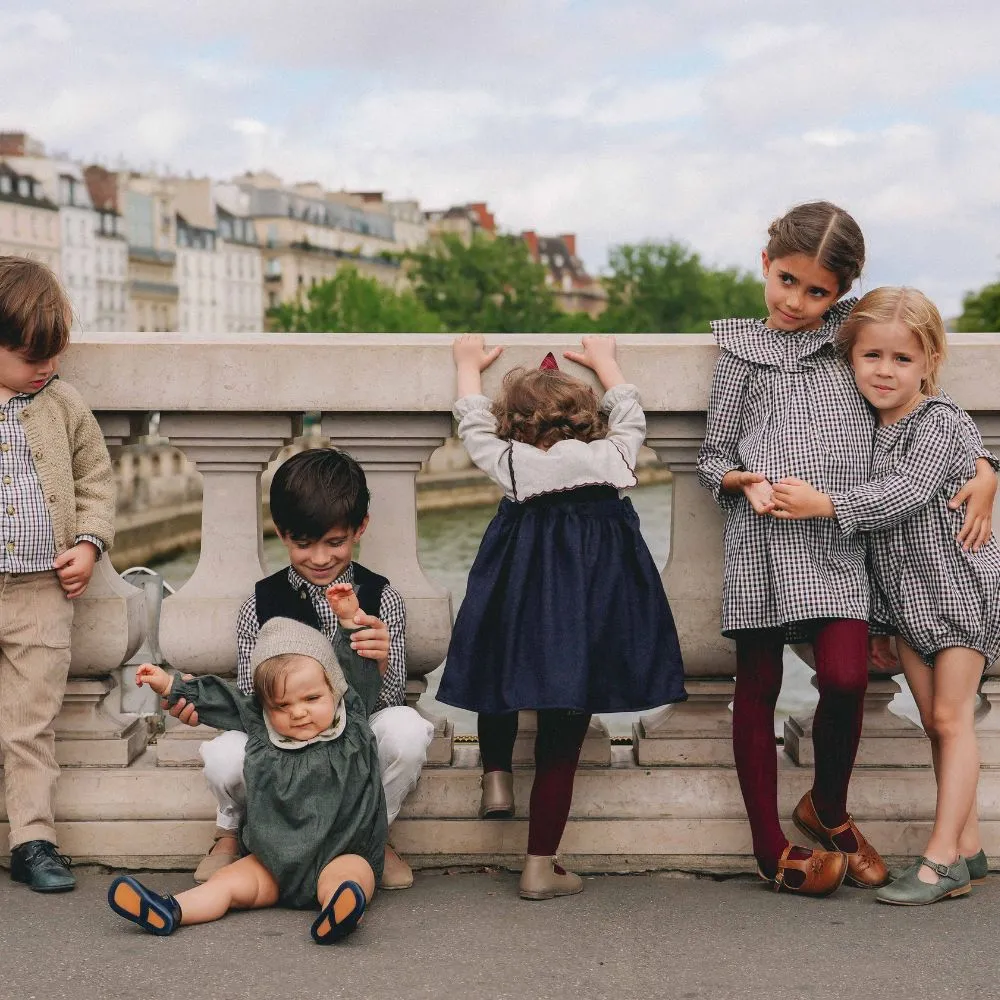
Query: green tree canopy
[(665, 288), (981, 311), (351, 303), (489, 286)]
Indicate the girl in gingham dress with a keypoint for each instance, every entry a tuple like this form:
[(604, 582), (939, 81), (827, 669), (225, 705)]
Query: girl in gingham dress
[(783, 403), (941, 598)]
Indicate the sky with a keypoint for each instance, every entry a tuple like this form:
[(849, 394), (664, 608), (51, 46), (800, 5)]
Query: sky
[(619, 120)]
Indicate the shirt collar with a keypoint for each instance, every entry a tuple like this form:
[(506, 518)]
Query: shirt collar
[(299, 583)]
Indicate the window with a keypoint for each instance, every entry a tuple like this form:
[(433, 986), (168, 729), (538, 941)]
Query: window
[(24, 187), (5, 185)]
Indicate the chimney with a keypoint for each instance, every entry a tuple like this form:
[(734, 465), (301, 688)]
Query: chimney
[(103, 187), (531, 238), (570, 240), (486, 218), (13, 144)]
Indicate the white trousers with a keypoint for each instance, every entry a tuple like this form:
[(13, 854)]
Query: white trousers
[(402, 734)]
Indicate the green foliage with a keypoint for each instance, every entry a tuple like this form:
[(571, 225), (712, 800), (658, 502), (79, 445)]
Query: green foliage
[(665, 288), (351, 303), (981, 311), (489, 286)]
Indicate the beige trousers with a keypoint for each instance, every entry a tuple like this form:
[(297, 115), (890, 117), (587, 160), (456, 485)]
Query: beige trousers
[(35, 624)]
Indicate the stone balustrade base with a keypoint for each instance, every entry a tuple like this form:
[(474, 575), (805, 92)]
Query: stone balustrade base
[(625, 816)]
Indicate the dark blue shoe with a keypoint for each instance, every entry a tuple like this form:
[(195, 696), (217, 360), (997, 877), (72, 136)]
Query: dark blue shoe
[(129, 898), (336, 920), (41, 866)]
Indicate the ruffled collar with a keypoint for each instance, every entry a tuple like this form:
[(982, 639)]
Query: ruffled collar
[(752, 341)]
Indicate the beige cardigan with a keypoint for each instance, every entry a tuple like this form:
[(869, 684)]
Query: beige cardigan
[(73, 464)]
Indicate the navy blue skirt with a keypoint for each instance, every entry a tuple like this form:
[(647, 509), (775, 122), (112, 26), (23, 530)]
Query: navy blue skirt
[(564, 609)]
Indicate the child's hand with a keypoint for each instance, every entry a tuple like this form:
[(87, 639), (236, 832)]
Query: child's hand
[(599, 354), (74, 567), (371, 642), (155, 677), (881, 653), (343, 602), (795, 500), (978, 494), (182, 709), (470, 349), (753, 486)]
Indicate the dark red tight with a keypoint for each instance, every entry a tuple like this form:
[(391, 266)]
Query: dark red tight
[(557, 751), (841, 651)]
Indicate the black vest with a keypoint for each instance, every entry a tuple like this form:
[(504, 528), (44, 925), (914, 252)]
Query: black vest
[(276, 598)]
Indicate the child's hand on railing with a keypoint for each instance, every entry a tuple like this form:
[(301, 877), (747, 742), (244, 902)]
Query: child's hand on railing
[(155, 677), (470, 349), (600, 355)]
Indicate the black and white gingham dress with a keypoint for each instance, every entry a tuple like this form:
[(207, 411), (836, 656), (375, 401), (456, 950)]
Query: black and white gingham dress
[(935, 594), (785, 404)]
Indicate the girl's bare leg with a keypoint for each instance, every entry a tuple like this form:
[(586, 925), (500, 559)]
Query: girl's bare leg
[(244, 885), (920, 678), (954, 682)]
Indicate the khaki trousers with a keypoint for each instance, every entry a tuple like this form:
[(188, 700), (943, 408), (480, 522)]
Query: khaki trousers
[(35, 624)]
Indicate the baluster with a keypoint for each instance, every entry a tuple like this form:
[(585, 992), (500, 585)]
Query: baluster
[(698, 731), (198, 622), (391, 448), (107, 630)]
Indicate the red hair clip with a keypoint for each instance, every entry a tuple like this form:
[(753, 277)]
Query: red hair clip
[(549, 363)]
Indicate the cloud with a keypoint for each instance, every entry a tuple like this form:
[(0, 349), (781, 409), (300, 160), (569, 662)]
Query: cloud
[(698, 119)]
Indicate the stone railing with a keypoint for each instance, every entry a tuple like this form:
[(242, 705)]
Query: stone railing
[(229, 403)]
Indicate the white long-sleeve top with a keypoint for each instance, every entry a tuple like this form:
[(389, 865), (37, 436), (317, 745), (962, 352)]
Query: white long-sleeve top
[(523, 471)]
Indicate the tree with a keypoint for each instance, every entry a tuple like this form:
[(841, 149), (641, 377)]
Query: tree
[(351, 303), (981, 311), (665, 288), (489, 286)]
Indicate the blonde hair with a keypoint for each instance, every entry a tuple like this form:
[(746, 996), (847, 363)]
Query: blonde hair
[(35, 313), (540, 407), (269, 677), (900, 305)]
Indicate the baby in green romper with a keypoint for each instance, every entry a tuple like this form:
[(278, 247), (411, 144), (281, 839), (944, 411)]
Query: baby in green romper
[(315, 827)]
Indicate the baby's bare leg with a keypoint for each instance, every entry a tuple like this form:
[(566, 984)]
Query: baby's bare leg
[(351, 867), (244, 885)]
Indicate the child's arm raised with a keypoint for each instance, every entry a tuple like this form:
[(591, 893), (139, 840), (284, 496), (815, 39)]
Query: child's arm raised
[(362, 670), (471, 360)]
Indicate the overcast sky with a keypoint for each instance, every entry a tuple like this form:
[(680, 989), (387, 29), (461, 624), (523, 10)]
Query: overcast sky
[(620, 120)]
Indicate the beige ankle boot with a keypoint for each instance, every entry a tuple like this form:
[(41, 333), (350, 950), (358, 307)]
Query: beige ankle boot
[(498, 795), (544, 878)]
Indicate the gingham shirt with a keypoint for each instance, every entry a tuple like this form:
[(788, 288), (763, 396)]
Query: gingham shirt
[(785, 404), (933, 593), (27, 542), (392, 612)]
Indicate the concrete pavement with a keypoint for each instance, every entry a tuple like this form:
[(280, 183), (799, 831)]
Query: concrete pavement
[(466, 934)]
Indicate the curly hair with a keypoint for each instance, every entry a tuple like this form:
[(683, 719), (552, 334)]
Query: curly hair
[(541, 407)]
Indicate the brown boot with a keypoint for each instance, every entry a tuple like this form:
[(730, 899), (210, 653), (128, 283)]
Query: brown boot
[(542, 878), (396, 873), (865, 867), (824, 872), (497, 800), (219, 856)]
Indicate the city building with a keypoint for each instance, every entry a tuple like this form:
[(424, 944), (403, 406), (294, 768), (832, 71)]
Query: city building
[(29, 221), (463, 221), (409, 221), (233, 302), (574, 289), (307, 234), (146, 204)]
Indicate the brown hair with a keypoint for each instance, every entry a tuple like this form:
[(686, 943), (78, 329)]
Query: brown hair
[(35, 314), (269, 677), (824, 232), (540, 407), (900, 305)]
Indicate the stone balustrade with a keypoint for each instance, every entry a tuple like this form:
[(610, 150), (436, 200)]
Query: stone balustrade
[(229, 403)]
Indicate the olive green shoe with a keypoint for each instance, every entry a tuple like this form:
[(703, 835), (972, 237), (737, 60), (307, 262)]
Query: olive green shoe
[(979, 867), (908, 890)]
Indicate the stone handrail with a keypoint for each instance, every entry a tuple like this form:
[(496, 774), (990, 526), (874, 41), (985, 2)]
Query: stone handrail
[(230, 402)]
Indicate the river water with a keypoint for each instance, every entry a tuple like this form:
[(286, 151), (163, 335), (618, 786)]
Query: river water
[(448, 540)]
